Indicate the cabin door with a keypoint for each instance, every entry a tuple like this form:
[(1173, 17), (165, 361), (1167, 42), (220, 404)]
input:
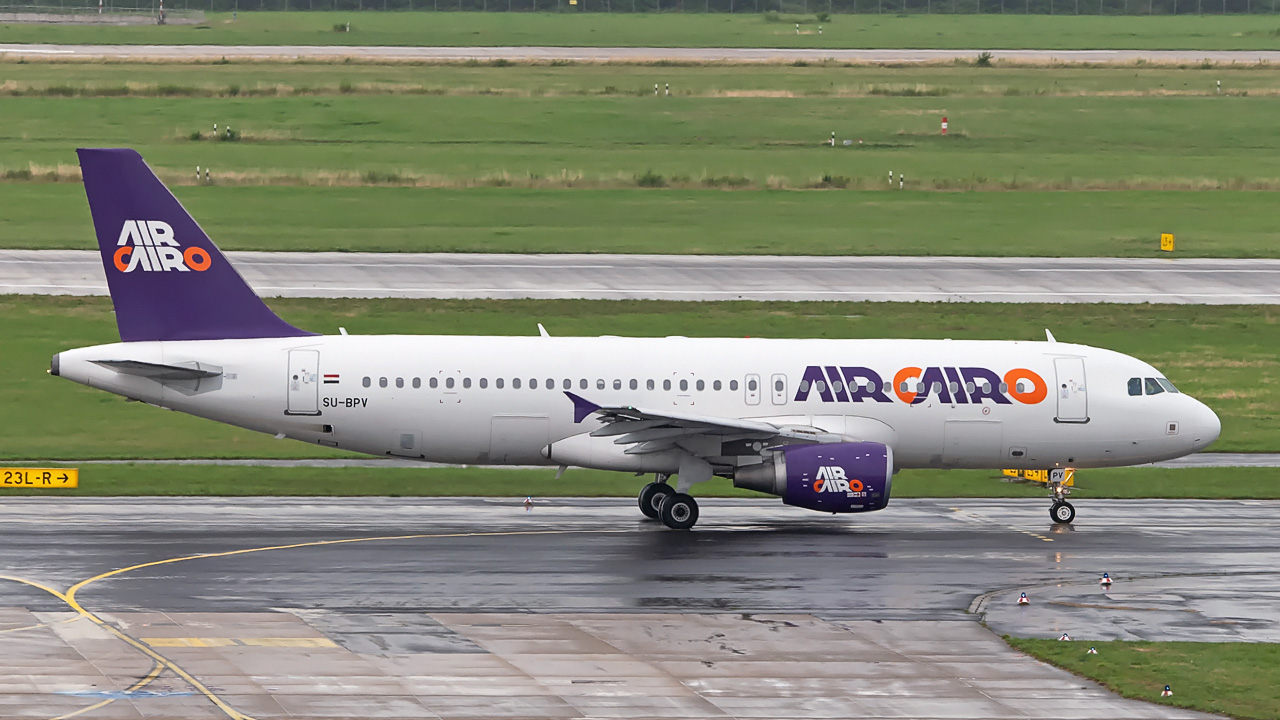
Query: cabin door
[(1073, 401), (304, 383)]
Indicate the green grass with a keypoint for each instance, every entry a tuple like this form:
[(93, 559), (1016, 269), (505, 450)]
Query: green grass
[(1126, 224), (549, 159), (219, 480), (997, 141), (1241, 680), (682, 30), (1224, 355)]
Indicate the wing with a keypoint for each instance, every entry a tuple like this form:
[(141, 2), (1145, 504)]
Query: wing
[(708, 437)]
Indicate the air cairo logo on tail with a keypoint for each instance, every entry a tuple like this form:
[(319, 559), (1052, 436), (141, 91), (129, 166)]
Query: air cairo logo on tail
[(149, 245)]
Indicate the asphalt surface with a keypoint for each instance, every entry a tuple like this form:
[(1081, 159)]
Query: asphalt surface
[(697, 277), (917, 560), (586, 54), (382, 607)]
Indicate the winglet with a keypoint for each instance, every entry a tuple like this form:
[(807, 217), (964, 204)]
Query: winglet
[(582, 407)]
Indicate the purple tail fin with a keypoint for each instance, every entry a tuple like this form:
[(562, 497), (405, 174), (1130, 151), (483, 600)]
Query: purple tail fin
[(167, 279)]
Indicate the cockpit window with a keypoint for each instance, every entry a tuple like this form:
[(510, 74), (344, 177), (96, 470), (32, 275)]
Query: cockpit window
[(1167, 385), (1135, 386), (1153, 387)]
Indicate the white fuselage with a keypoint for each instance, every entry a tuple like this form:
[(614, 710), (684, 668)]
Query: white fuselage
[(501, 400)]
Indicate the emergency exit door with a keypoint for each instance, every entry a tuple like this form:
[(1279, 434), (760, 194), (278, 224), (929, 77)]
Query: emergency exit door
[(1073, 399), (304, 383)]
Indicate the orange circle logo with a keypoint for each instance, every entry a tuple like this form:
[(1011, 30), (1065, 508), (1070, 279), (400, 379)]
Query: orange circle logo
[(855, 486), (121, 258), (197, 259), (907, 373), (1039, 389)]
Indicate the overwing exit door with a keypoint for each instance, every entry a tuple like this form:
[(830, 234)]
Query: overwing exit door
[(1073, 400), (304, 383)]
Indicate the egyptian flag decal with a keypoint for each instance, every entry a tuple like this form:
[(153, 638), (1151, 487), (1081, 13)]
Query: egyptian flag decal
[(331, 379)]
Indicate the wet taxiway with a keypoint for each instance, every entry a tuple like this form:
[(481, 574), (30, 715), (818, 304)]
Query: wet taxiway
[(578, 608)]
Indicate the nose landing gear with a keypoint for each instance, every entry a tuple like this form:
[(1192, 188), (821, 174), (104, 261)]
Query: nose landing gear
[(1061, 511)]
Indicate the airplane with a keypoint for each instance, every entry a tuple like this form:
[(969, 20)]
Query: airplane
[(823, 424)]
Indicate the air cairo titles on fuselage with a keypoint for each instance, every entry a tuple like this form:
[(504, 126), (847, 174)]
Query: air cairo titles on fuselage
[(914, 385)]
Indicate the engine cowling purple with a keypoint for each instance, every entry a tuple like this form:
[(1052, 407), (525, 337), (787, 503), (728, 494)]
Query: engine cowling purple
[(836, 477)]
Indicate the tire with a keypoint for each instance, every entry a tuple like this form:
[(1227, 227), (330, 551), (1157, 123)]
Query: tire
[(651, 497), (1062, 513), (679, 512)]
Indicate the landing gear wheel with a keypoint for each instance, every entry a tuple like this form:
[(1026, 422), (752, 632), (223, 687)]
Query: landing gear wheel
[(679, 511), (1062, 512), (652, 496)]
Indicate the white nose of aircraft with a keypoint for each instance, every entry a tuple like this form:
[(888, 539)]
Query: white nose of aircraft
[(1204, 425)]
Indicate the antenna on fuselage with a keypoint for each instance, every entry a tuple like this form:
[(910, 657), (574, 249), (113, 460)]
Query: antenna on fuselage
[(1049, 336), (543, 331)]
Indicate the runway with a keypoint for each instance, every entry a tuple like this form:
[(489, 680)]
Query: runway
[(698, 277), (578, 608), (619, 55)]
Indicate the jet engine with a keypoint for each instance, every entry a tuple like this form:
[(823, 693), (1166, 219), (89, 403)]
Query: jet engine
[(834, 477)]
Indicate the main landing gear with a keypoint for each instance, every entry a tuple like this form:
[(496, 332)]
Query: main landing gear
[(660, 501), (1061, 511)]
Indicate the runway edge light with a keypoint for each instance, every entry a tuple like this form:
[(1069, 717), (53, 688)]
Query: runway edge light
[(1105, 580), (1092, 651), (1166, 692), (1064, 638), (1022, 599)]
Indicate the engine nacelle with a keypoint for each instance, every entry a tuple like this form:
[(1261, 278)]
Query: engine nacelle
[(835, 477)]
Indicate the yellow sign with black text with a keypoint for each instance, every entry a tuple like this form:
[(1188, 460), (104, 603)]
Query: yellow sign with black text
[(1166, 242), (34, 478)]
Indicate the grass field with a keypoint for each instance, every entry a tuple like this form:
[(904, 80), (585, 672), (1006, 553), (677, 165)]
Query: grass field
[(1223, 355), (1240, 680), (1061, 161), (1226, 224), (683, 30), (221, 480)]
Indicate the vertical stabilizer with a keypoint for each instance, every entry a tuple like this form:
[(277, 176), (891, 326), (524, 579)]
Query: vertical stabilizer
[(168, 280)]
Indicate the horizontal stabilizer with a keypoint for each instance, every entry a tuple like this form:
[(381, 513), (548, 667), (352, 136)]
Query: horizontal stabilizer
[(156, 371)]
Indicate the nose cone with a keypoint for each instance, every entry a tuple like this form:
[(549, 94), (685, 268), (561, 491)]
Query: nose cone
[(1205, 426)]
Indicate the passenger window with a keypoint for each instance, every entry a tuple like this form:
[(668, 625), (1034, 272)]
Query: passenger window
[(417, 383), (1004, 388), (448, 383), (903, 387), (599, 383), (484, 383), (366, 381), (498, 383), (715, 385), (551, 384), (399, 382), (648, 384), (382, 382), (820, 386), (515, 383), (434, 383), (954, 387), (701, 385), (634, 384), (777, 386), (1135, 386), (836, 386), (969, 388), (1153, 387), (1168, 386), (533, 383), (733, 384), (466, 383), (666, 384), (582, 383), (617, 384), (684, 386), (567, 384), (752, 385)]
